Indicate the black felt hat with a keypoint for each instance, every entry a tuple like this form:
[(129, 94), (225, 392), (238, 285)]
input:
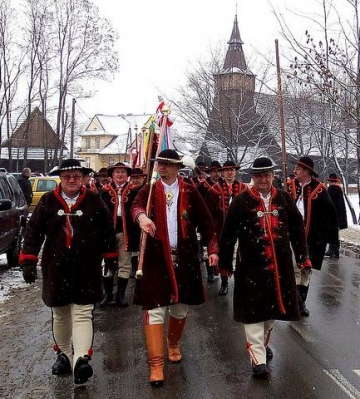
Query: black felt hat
[(70, 165), (261, 165), (333, 178), (123, 165), (213, 165), (137, 172), (308, 163), (168, 156), (229, 165)]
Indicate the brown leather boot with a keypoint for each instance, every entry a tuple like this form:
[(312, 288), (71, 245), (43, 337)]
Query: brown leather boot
[(176, 327), (154, 342)]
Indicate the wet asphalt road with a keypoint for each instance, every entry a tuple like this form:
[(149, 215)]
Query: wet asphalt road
[(317, 357)]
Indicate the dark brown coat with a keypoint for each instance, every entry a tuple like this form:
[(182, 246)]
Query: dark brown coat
[(71, 257), (265, 286)]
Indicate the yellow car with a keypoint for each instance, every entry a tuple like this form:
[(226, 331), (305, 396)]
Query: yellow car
[(40, 185)]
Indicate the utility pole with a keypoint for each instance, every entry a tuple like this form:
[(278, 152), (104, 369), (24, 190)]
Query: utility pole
[(72, 128)]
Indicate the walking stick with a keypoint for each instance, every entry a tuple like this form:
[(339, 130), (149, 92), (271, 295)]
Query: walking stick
[(143, 235)]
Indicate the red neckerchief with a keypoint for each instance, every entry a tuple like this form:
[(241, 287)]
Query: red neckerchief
[(68, 212)]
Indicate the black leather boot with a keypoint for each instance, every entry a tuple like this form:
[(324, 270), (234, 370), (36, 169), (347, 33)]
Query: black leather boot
[(120, 294), (62, 365), (302, 294), (108, 283), (82, 370), (224, 286)]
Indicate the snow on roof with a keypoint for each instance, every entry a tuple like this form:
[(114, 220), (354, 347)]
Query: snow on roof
[(116, 124), (117, 145)]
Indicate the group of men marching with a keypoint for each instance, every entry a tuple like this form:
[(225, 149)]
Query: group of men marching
[(278, 237)]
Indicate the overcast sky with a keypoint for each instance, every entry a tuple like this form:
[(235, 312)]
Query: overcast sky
[(159, 39)]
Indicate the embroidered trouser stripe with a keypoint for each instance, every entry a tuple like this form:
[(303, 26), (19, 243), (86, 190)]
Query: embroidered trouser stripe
[(257, 337)]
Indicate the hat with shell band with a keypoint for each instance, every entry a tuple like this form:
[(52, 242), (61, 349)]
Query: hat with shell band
[(70, 165), (261, 165), (168, 156)]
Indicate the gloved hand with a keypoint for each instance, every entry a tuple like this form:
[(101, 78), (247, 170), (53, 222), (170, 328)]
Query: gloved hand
[(29, 272), (110, 266)]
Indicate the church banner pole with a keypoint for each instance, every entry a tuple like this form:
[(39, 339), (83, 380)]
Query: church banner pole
[(281, 110)]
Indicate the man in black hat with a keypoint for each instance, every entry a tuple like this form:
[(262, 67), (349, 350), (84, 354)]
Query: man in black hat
[(218, 200), (113, 196), (171, 269), (266, 224), (204, 187), (337, 196), (78, 232), (101, 178), (319, 214), (199, 174)]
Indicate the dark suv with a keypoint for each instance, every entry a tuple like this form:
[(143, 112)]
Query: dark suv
[(13, 216)]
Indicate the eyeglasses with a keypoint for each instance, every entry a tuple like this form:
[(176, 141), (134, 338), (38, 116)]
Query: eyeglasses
[(68, 177)]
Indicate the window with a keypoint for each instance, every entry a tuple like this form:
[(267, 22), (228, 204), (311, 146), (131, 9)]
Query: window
[(87, 143), (111, 161), (87, 161), (97, 142)]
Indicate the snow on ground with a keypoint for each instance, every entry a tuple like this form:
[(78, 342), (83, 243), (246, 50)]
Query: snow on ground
[(12, 278), (9, 278)]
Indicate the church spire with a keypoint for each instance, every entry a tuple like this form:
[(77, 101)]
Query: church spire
[(235, 58)]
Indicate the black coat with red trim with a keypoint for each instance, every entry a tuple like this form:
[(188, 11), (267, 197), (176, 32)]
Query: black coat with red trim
[(265, 287), (321, 226), (162, 284), (73, 252)]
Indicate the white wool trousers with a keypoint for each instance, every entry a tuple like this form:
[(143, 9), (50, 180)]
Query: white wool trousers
[(257, 339), (124, 258), (157, 315), (73, 329)]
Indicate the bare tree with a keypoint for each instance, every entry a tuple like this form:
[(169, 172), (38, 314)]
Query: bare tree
[(84, 50), (323, 64), (10, 70)]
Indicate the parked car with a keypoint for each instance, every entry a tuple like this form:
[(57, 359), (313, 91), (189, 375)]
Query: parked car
[(13, 216), (40, 185)]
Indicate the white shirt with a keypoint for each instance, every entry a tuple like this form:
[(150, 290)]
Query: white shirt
[(69, 201), (172, 196), (266, 200), (300, 200), (119, 188)]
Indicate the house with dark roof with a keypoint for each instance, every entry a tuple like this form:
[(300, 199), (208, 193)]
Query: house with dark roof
[(33, 143)]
